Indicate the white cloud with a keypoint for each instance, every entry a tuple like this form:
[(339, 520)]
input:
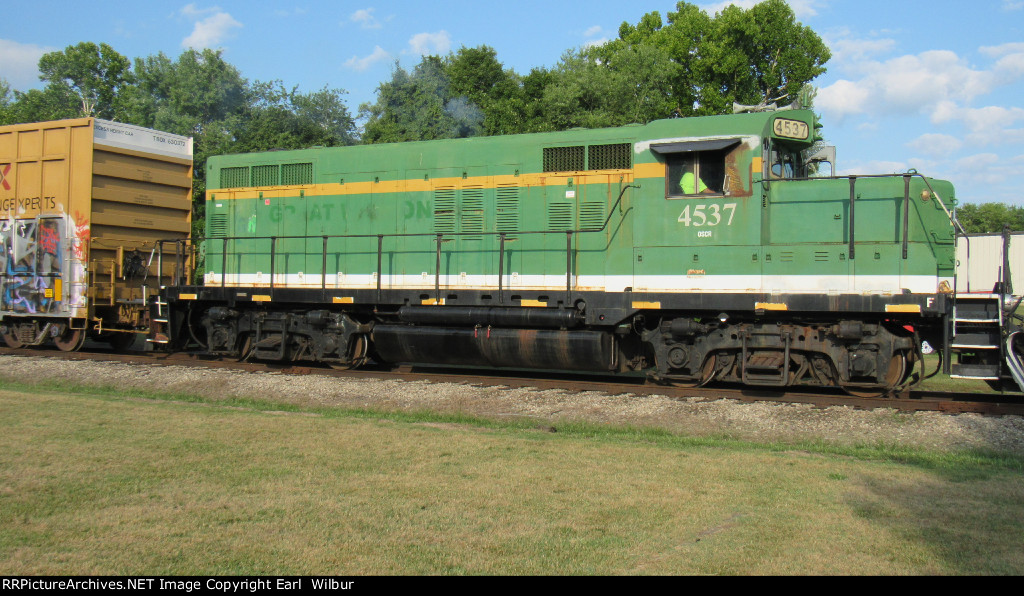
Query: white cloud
[(425, 44), (874, 167), (1013, 4), (596, 42), (361, 64), (944, 112), (805, 8), (365, 18), (938, 84), (847, 50), (718, 7), (1010, 67), (989, 118), (21, 63), (595, 30), (936, 145), (989, 125), (982, 168), (1015, 47), (843, 98), (801, 8), (194, 13), (905, 85), (1010, 64), (210, 30)]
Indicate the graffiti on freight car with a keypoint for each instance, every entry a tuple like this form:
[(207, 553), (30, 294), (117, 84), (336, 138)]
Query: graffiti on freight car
[(81, 239), (32, 265)]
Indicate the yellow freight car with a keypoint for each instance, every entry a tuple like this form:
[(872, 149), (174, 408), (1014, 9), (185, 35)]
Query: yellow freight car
[(94, 216)]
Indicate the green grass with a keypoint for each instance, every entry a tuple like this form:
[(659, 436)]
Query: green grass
[(942, 382), (130, 482)]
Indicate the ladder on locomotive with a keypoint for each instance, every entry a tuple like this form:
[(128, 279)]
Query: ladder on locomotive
[(985, 333), (977, 337)]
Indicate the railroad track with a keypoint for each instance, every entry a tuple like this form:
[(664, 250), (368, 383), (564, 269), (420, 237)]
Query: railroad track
[(996, 404)]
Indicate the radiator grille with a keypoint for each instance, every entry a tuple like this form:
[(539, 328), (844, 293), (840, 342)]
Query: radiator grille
[(234, 177), (265, 175), (297, 173), (618, 156), (563, 159)]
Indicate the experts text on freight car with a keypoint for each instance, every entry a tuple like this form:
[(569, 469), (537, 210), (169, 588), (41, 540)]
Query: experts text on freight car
[(28, 204)]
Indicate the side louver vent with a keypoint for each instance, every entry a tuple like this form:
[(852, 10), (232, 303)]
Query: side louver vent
[(217, 225), (560, 217), (444, 209), (508, 208)]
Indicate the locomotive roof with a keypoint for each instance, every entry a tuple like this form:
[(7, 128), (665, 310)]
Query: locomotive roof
[(495, 149)]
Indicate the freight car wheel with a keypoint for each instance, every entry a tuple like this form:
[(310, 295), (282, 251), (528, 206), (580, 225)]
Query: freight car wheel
[(70, 341), (895, 375), (12, 341), (120, 342)]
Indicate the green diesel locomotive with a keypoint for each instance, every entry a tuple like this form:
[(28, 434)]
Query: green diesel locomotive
[(688, 250)]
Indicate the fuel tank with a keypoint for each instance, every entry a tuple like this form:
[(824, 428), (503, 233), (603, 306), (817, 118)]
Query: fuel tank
[(485, 346)]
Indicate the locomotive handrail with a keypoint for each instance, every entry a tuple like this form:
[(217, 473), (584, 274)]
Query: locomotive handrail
[(853, 184), (912, 172), (906, 205), (439, 236)]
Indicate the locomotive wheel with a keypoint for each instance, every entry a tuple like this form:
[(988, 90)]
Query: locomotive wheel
[(707, 373), (246, 348), (893, 377), (11, 339), (70, 341), (360, 348)]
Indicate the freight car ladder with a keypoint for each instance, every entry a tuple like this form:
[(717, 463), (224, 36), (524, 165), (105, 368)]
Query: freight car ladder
[(978, 341)]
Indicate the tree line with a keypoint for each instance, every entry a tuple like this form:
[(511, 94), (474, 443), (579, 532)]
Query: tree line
[(989, 217), (689, 63), (198, 95)]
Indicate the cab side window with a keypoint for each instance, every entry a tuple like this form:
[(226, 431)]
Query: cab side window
[(695, 173), (786, 164)]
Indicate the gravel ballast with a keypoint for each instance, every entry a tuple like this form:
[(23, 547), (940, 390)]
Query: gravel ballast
[(760, 421)]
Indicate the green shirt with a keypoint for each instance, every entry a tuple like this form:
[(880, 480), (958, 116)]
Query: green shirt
[(689, 184)]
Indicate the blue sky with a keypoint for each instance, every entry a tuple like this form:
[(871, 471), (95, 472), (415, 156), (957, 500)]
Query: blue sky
[(936, 85)]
